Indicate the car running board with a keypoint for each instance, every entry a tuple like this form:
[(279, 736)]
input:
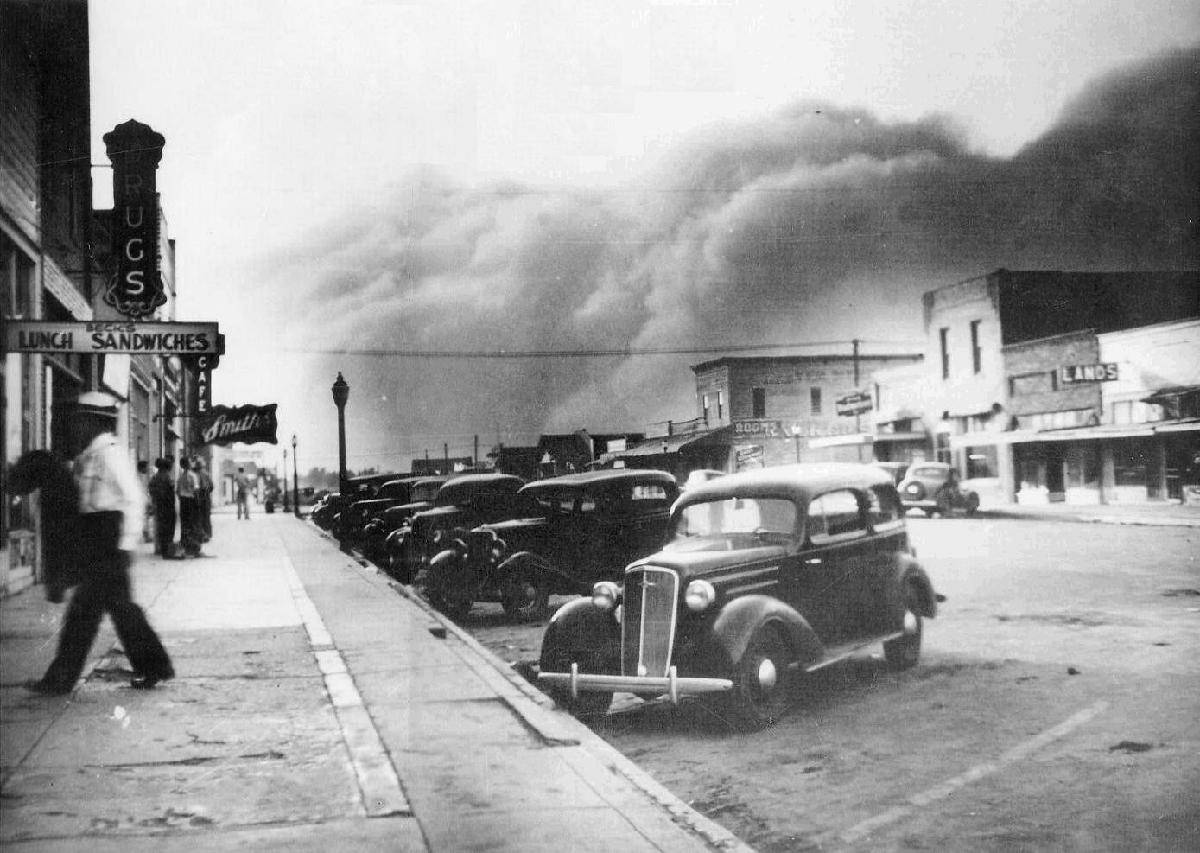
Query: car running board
[(838, 653)]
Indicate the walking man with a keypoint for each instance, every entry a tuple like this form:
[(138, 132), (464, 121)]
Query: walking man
[(242, 484), (110, 524), (162, 499)]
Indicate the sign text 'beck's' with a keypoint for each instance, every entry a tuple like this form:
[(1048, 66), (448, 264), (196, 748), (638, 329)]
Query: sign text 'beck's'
[(99, 338)]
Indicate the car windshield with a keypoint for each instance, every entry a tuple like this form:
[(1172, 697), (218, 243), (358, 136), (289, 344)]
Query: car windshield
[(733, 523)]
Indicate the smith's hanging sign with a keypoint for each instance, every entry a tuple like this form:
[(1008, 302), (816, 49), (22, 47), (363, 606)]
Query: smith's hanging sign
[(136, 288), (244, 424)]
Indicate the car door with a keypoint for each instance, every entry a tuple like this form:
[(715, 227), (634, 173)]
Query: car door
[(828, 577)]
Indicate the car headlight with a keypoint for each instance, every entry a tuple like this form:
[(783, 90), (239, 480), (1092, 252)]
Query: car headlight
[(699, 596), (604, 595)]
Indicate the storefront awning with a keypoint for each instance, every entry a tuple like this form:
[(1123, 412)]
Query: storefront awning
[(1094, 433), (842, 440), (664, 445), (1165, 396)]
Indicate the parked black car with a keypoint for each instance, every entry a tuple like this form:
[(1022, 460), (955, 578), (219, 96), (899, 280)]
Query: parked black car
[(460, 504), (393, 524), (767, 573), (583, 527)]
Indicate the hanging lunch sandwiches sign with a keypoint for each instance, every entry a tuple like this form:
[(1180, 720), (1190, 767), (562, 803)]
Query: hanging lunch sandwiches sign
[(243, 424)]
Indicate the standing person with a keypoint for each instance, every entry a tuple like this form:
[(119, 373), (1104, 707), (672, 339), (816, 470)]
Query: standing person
[(204, 489), (143, 473), (189, 525), (242, 484), (109, 523), (162, 500)]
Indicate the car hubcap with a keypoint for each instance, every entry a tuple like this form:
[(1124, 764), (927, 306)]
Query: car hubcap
[(767, 675)]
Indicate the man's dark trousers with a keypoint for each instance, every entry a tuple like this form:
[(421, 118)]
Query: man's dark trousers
[(105, 588), (164, 527)]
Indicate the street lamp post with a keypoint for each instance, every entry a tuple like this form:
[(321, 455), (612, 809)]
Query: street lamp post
[(341, 393), (295, 481), (285, 488)]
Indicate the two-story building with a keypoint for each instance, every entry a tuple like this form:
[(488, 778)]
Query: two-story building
[(1019, 367)]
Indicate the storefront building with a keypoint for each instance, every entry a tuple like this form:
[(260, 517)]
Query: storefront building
[(774, 410), (1071, 387)]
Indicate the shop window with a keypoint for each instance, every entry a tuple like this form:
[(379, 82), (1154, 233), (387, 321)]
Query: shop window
[(976, 352), (1131, 464), (758, 402), (814, 401), (982, 462)]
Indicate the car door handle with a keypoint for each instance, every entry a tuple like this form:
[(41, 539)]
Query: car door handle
[(813, 561)]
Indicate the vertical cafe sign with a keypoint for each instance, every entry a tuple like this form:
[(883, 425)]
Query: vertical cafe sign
[(136, 288)]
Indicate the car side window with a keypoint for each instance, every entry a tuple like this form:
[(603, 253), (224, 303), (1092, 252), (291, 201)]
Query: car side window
[(883, 508), (835, 516)]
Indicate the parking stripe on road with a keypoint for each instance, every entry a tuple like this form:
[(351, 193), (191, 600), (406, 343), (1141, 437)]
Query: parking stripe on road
[(979, 771)]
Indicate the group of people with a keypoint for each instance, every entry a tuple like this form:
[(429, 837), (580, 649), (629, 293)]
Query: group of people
[(191, 489)]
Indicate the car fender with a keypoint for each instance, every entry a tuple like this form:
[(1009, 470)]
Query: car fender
[(516, 562), (738, 621), (908, 572), (579, 624)]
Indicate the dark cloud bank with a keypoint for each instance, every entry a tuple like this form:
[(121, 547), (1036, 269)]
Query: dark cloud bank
[(819, 223)]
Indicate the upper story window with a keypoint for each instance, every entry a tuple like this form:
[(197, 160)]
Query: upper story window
[(704, 406), (758, 402), (944, 341), (720, 404), (976, 352), (814, 400)]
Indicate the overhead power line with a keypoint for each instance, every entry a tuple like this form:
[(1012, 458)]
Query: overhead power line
[(584, 353)]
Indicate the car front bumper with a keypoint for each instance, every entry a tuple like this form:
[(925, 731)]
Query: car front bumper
[(670, 685)]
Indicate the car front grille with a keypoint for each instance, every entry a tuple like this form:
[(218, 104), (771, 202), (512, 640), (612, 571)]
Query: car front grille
[(648, 624)]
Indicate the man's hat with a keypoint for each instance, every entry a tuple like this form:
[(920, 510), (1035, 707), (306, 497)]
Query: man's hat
[(96, 403)]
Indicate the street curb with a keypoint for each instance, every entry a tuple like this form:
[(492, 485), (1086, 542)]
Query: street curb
[(554, 726), (1149, 521)]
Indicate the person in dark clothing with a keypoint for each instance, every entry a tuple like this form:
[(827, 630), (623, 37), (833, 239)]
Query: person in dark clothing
[(204, 490), (187, 485), (162, 499), (58, 501), (109, 526)]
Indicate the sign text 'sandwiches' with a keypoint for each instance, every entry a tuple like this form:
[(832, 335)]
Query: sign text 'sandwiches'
[(99, 338), (246, 424)]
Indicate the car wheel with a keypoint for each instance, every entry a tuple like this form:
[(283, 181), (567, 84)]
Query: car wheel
[(557, 658), (761, 681), (930, 512), (525, 595), (398, 568), (972, 503), (944, 503), (903, 652)]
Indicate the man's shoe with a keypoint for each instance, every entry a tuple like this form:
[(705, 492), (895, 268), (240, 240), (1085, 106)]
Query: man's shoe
[(149, 682), (48, 688)]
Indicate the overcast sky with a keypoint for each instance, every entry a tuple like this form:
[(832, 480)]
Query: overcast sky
[(394, 175)]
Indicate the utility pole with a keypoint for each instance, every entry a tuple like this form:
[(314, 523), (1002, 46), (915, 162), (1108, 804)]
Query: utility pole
[(857, 416)]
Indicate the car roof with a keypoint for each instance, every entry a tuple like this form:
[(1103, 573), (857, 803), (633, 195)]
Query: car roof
[(598, 479), (797, 481), (469, 484)]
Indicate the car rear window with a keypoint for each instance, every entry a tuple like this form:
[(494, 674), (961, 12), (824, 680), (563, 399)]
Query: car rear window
[(834, 515), (883, 508)]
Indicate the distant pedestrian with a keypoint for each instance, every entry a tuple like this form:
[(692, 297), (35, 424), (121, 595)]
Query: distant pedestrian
[(162, 501), (143, 472), (186, 486), (58, 505), (110, 519), (242, 485), (204, 490)]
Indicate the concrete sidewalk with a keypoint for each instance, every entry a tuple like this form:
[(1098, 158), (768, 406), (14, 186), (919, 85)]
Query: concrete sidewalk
[(1147, 514), (316, 707)]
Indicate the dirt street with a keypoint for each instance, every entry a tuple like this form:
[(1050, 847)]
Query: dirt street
[(1054, 708)]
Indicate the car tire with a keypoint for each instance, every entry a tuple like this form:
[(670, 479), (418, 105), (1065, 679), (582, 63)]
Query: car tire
[(972, 503), (945, 504), (525, 595), (761, 681), (904, 652), (558, 658)]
